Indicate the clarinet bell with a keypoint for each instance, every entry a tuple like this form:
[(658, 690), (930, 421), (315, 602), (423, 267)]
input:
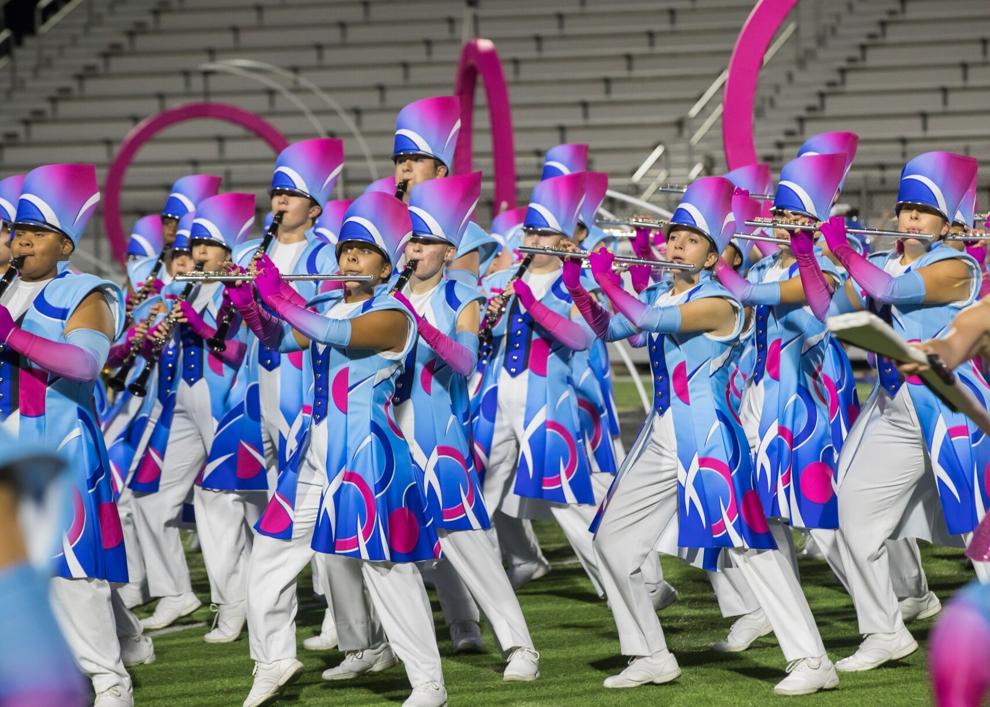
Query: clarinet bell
[(217, 346), (139, 388), (118, 382)]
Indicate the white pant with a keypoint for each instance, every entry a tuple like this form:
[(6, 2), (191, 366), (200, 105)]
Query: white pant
[(136, 573), (85, 615), (354, 617), (396, 590), (884, 469), (516, 539), (500, 478), (642, 508), (474, 556), (156, 514), (224, 522)]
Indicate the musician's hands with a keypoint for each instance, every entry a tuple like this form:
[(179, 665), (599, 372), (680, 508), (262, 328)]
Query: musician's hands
[(524, 294), (640, 275), (572, 273), (7, 324), (269, 280), (941, 348), (803, 242), (241, 293), (834, 231), (641, 243), (601, 262), (496, 303), (179, 310)]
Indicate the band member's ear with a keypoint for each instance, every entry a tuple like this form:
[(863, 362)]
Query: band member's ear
[(441, 169)]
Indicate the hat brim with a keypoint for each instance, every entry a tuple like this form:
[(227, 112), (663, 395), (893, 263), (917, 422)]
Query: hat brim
[(399, 155)]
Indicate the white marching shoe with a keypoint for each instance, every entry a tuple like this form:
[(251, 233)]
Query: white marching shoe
[(465, 637), (877, 649), (653, 669), (808, 675), (326, 639), (370, 660), (270, 678), (744, 631), (136, 650), (523, 666), (114, 696), (917, 608), (430, 694), (228, 622), (662, 595), (171, 609), (527, 572)]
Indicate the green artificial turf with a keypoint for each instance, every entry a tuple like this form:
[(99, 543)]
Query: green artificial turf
[(574, 632)]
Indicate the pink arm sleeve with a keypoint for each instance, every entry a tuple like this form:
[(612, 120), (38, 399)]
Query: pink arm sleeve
[(817, 289), (459, 357), (68, 360)]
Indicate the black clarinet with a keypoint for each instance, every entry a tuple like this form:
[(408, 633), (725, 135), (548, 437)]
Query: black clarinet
[(218, 342), (401, 188), (119, 380), (403, 278), (149, 283), (486, 334), (139, 387), (13, 270)]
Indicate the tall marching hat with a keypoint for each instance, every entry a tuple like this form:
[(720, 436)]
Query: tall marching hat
[(838, 142), (507, 226), (966, 211), (146, 237), (328, 224), (59, 197), (182, 242), (223, 219), (187, 192), (555, 204), (808, 184), (10, 191), (441, 208), (379, 219), (936, 180), (429, 127), (565, 159), (476, 238), (309, 168), (706, 207), (754, 178)]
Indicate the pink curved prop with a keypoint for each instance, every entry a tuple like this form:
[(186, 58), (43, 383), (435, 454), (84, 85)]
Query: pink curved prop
[(480, 57), (151, 126), (744, 71)]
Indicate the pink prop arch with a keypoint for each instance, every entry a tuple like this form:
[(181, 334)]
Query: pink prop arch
[(151, 126), (744, 71), (480, 57)]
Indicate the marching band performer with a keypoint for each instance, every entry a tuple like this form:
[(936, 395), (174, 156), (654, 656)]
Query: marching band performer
[(691, 486), (431, 400), (527, 435), (357, 495), (56, 327), (196, 383), (907, 445)]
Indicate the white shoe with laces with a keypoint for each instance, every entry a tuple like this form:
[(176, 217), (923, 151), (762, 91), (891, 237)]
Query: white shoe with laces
[(917, 608), (171, 609), (523, 666), (877, 649), (136, 650), (228, 622), (653, 669), (114, 696), (430, 694), (370, 660), (270, 678), (744, 631), (808, 675), (527, 572)]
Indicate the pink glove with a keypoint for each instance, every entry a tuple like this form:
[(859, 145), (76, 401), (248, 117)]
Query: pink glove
[(268, 281), (572, 273), (834, 231), (403, 300), (817, 289), (63, 359), (196, 321), (601, 267), (593, 313), (569, 333), (640, 275), (641, 243), (241, 293), (119, 352)]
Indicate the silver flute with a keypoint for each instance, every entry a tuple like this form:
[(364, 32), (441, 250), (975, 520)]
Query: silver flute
[(681, 188), (869, 232), (632, 222), (245, 277), (619, 259)]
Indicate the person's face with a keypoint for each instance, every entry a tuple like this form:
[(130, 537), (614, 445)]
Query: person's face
[(4, 244), (182, 262), (417, 168), (732, 256), (360, 258), (300, 211), (580, 233), (41, 249), (169, 227), (920, 219), (535, 239), (212, 256), (687, 246), (430, 256)]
